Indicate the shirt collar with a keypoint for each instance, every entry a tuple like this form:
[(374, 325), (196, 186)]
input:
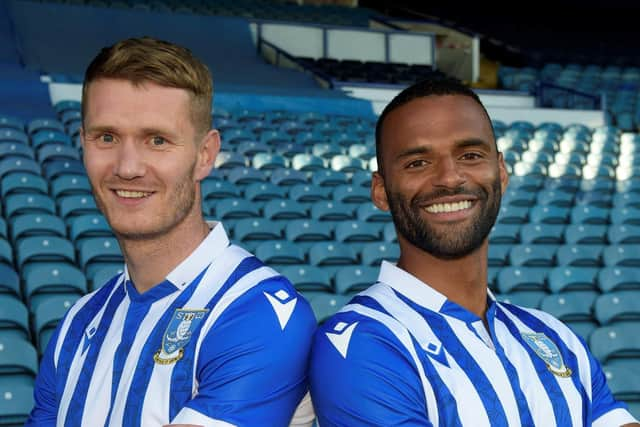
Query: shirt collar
[(181, 276), (424, 295)]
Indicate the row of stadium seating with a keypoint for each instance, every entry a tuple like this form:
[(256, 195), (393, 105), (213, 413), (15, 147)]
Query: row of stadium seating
[(251, 9)]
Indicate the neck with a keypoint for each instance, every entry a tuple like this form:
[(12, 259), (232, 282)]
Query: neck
[(149, 261), (463, 280)]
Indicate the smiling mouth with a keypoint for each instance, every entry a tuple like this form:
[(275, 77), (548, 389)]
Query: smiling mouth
[(126, 194), (449, 207)]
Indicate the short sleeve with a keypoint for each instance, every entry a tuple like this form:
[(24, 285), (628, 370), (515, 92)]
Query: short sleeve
[(45, 410), (605, 409), (361, 375), (252, 366)]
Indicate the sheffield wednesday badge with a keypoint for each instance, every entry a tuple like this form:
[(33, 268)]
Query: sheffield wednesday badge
[(182, 325), (548, 352)]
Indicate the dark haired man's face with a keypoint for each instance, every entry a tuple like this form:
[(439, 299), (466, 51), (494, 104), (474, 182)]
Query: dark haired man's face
[(443, 178)]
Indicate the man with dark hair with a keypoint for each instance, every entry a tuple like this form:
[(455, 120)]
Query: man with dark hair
[(196, 331), (428, 344)]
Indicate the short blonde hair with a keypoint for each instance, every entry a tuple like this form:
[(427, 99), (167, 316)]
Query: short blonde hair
[(146, 59)]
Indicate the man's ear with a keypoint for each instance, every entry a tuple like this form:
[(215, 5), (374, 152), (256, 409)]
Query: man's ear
[(207, 152), (378, 192), (504, 175)]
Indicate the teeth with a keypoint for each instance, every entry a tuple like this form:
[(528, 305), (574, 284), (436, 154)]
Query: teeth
[(131, 194), (448, 207)]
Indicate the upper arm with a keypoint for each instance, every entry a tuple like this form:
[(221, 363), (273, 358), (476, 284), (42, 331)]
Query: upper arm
[(45, 408), (250, 369), (375, 384)]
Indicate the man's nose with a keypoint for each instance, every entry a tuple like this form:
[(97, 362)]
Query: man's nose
[(130, 162)]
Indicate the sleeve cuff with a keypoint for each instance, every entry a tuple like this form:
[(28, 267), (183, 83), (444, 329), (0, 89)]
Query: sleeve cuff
[(191, 416), (615, 417)]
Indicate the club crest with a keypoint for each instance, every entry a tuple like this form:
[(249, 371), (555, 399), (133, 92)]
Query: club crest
[(181, 327), (548, 352)]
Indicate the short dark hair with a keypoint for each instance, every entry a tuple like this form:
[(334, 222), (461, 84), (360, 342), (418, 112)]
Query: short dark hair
[(435, 86)]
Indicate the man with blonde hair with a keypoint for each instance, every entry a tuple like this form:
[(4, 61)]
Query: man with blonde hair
[(196, 331)]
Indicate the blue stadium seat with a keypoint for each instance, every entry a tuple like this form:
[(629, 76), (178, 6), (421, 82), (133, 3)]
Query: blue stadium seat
[(568, 185), (326, 150), (46, 316), (308, 278), (250, 148), (16, 402), (18, 360), (328, 178), (369, 212), (9, 281), (307, 230), (14, 317), (22, 182), (280, 253), (513, 279), (39, 125), (361, 179), (525, 183), (52, 152), (67, 185), (542, 233), (11, 122), (50, 137), (627, 216), (6, 253), (12, 149), (263, 191), (499, 255), (284, 209), (589, 215), (354, 278), (86, 226), (274, 137), (624, 234), (626, 200), (44, 249), (326, 305), (518, 198), (586, 234), (230, 160), (600, 200), (37, 224), (513, 215), (234, 209), (618, 306), (624, 383), (389, 233), (356, 231), (268, 161), (96, 252), (345, 163), (622, 255), (580, 255), (533, 255), (3, 229), (244, 176), (76, 205), (103, 274), (618, 278), (309, 193), (574, 309), (288, 177), (529, 299), (351, 194), (374, 253), (56, 168), (361, 151), (53, 278), (257, 229), (615, 344), (331, 253), (218, 189), (505, 234), (331, 211), (549, 214), (307, 162), (310, 138), (569, 278), (18, 204), (234, 136), (18, 164)]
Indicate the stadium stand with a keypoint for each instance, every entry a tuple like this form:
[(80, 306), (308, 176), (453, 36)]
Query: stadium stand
[(292, 185)]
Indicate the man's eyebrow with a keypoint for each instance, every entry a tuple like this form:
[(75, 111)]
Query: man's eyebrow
[(474, 142), (423, 149)]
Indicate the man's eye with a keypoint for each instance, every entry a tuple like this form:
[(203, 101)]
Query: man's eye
[(158, 141), (107, 138), (471, 156), (417, 163)]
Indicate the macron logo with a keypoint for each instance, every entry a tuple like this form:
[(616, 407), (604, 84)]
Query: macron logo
[(341, 337), (283, 309)]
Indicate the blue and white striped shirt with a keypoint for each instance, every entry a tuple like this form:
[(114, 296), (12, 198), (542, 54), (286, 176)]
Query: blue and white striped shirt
[(401, 354), (224, 340)]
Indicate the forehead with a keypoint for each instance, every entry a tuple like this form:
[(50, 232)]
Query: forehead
[(117, 99), (437, 121)]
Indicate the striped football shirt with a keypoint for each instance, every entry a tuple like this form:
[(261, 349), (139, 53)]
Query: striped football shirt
[(223, 340), (401, 354)]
